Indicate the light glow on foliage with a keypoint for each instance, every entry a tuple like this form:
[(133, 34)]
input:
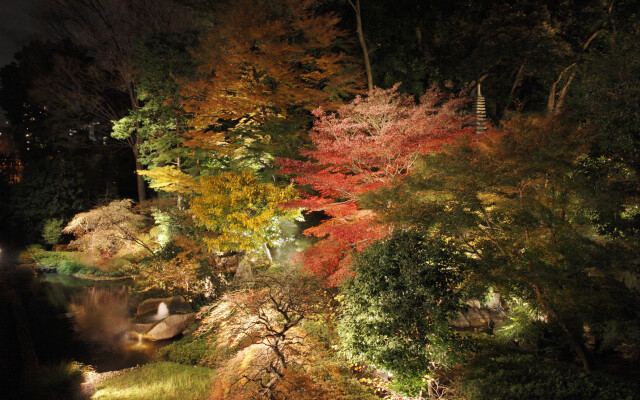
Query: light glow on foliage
[(368, 144), (263, 59), (162, 228), (239, 211)]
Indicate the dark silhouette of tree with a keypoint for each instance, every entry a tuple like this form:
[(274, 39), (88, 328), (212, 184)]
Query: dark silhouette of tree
[(107, 31)]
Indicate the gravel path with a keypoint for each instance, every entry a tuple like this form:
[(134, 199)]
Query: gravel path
[(93, 378)]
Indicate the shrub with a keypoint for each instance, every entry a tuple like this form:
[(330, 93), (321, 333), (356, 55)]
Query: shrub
[(524, 326), (116, 266), (321, 330), (70, 267), (51, 259), (526, 377), (36, 255), (52, 231), (30, 255), (56, 381), (109, 230), (190, 350), (622, 336), (397, 308)]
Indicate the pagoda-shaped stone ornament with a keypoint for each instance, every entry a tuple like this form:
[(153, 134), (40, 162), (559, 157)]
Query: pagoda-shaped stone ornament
[(481, 112)]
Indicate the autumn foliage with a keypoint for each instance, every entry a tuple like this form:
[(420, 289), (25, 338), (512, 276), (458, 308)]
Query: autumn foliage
[(238, 210), (265, 59), (270, 353), (108, 230), (368, 144)]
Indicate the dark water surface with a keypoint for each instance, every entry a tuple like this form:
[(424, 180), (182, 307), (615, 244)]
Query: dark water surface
[(88, 321)]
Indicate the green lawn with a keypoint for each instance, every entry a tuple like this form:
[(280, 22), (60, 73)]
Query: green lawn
[(158, 381)]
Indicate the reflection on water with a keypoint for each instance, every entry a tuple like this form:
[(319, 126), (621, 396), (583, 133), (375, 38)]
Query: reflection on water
[(99, 313)]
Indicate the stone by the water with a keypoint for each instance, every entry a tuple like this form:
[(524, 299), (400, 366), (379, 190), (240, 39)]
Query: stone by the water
[(175, 304), (169, 327)]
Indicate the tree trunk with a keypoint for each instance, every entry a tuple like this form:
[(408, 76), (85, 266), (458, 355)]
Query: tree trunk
[(363, 44), (552, 314), (551, 102), (142, 195), (180, 206), (516, 83), (267, 252), (430, 391)]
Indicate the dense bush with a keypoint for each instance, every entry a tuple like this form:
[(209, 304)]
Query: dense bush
[(397, 307), (41, 258), (526, 377), (106, 231), (56, 381), (69, 263), (52, 231), (70, 267)]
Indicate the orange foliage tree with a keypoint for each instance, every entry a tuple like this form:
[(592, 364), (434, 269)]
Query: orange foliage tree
[(265, 59), (265, 324)]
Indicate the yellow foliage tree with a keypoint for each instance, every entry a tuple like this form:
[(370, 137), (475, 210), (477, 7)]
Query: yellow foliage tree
[(240, 212)]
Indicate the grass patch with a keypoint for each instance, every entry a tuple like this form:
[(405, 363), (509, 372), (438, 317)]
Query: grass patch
[(196, 348), (190, 350), (41, 258), (158, 381), (70, 263), (70, 267)]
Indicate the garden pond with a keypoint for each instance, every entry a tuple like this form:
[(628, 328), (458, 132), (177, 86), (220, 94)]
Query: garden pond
[(89, 321)]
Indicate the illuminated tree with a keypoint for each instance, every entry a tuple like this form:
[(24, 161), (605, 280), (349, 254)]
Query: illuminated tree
[(518, 201), (182, 266), (107, 230), (239, 212), (370, 143), (397, 308), (264, 322), (158, 120), (264, 59)]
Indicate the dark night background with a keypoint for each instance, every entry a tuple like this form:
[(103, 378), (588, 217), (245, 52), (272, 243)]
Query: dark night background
[(17, 27)]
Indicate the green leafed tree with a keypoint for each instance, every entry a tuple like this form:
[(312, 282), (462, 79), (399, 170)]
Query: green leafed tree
[(158, 120), (517, 200), (52, 231), (398, 305)]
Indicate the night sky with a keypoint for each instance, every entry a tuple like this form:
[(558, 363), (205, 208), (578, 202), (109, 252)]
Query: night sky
[(17, 27)]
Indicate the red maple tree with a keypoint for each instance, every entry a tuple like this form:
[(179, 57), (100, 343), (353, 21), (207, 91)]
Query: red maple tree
[(369, 143)]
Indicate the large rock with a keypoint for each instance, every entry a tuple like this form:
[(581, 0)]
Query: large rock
[(478, 315), (175, 304), (461, 322), (141, 328), (244, 272), (169, 327)]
